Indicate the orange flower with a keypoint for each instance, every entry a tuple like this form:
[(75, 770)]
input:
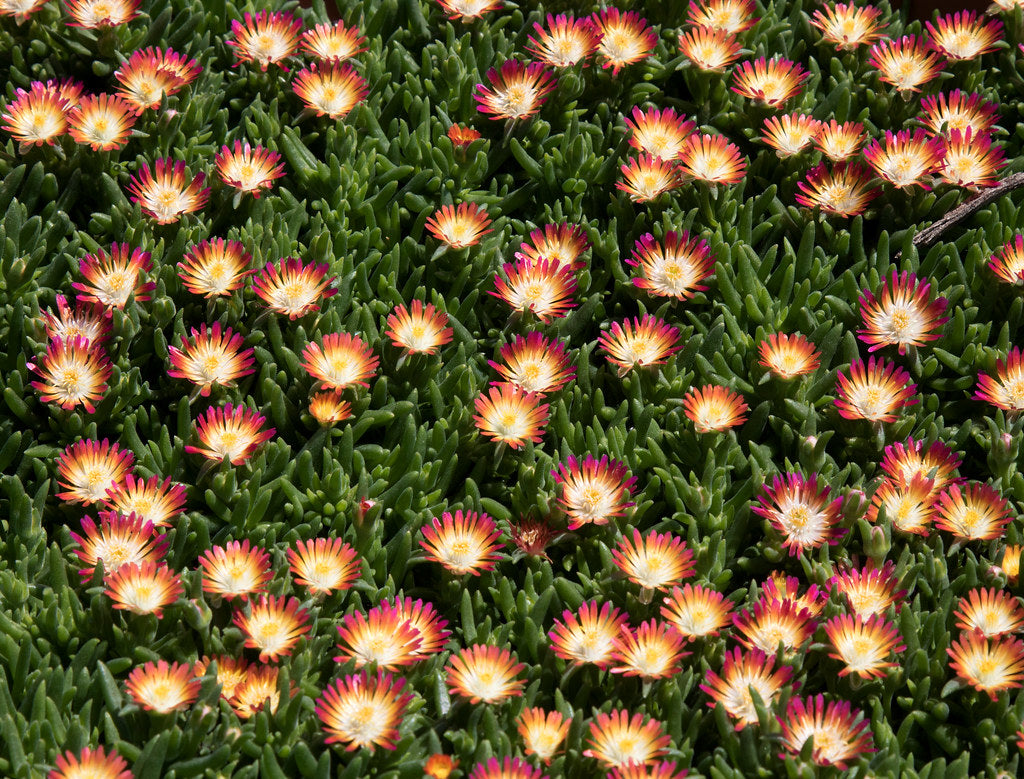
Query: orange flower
[(877, 392), (869, 590), (330, 89), (847, 25), (463, 542), (534, 364), (258, 688), (165, 193), (517, 91), (230, 431), (327, 408), (696, 611), (439, 766), (845, 191), (231, 672), (145, 588), (273, 626), (903, 462), (118, 541), (788, 356), (509, 768), (324, 565), (626, 38), (976, 513), (211, 357), (902, 315), (909, 506), (791, 133), (617, 740), (484, 674), (971, 161), (72, 373), (424, 620), (461, 136), (645, 178), (163, 687), (248, 169), (1008, 262), (990, 612), (989, 665), (655, 561), (266, 38), (863, 644), (383, 636), (741, 671), (1005, 390), (905, 158), (293, 288), (103, 122), (712, 159), (838, 735), (588, 635), (421, 332), (468, 10), (905, 63), (943, 113), (333, 42), (714, 409), (709, 48), (774, 622), (673, 268), (562, 243), (593, 491), (97, 14), (769, 82), (236, 570), (839, 142), (87, 469), (214, 268), (151, 73), (363, 710), (544, 288), (640, 342), (542, 732), (112, 279), (509, 416), (565, 41), (21, 10), (36, 117), (651, 652), (659, 133), (731, 16), (89, 763), (459, 227), (340, 360)]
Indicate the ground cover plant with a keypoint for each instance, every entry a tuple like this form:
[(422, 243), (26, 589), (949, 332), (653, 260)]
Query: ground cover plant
[(474, 389)]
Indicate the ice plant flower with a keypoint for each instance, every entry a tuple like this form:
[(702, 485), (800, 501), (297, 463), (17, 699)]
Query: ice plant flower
[(659, 133), (709, 48), (97, 14), (73, 373), (324, 565), (771, 82), (801, 511), (439, 766), (236, 570), (21, 10), (468, 10), (741, 671), (840, 142), (846, 190), (779, 586), (593, 491), (963, 36), (461, 136), (333, 42), (869, 590), (1010, 563), (103, 122), (863, 644), (231, 672), (510, 416), (838, 735), (626, 38), (422, 331), (617, 740), (484, 673), (459, 227), (531, 536), (509, 768), (713, 409), (163, 687), (258, 688), (847, 25), (790, 134), (976, 513), (1008, 262), (214, 268), (788, 356), (382, 636), (645, 178), (696, 611), (943, 113), (672, 268), (972, 161), (363, 710), (235, 432), (340, 360), (266, 38), (153, 500), (989, 665), (936, 464), (876, 392), (990, 612), (90, 320), (534, 364), (543, 287), (90, 763), (86, 469), (712, 159), (463, 542), (653, 651), (909, 506), (118, 541), (424, 619), (1005, 390), (327, 408), (165, 193), (588, 635), (516, 91), (292, 288), (144, 589), (248, 169), (330, 89), (905, 63), (273, 626), (211, 356), (773, 622), (542, 732), (565, 40), (640, 342), (151, 73), (731, 16), (905, 158), (112, 279), (656, 561), (562, 243), (902, 315)]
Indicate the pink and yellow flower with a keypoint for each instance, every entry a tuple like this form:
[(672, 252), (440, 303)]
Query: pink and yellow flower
[(774, 622), (617, 740), (876, 392), (1008, 262), (103, 122), (588, 635), (839, 737), (963, 36), (542, 732), (790, 134), (333, 42), (869, 590), (936, 464), (151, 73), (972, 161), (97, 14), (863, 644), (112, 279), (459, 227), (248, 169), (990, 612), (696, 611), (144, 589), (463, 542), (845, 190), (902, 315), (840, 142), (211, 356), (423, 331), (516, 91), (363, 710), (330, 89), (905, 63), (510, 416), (509, 768), (292, 288), (425, 621), (273, 626), (942, 113), (731, 16), (163, 687), (741, 671), (656, 561), (534, 364), (231, 672), (909, 506), (72, 373), (626, 38), (645, 178), (565, 41), (788, 356), (90, 320), (215, 268), (659, 133), (236, 570), (653, 651), (976, 513), (89, 763), (165, 193), (234, 432), (639, 343), (989, 665), (593, 491), (153, 500), (468, 10), (257, 689), (340, 360), (562, 243), (801, 511), (324, 565), (905, 158), (22, 10), (779, 586), (771, 82), (1004, 390), (672, 268), (328, 409), (382, 636), (266, 38), (484, 674), (847, 25), (712, 159), (87, 469), (118, 541), (543, 287), (713, 409), (709, 48)]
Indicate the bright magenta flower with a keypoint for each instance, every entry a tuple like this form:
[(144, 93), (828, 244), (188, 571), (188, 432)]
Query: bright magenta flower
[(235, 432), (905, 63), (593, 491), (544, 288), (165, 193), (333, 42), (266, 38), (839, 736), (484, 674), (97, 14), (659, 133), (779, 586), (151, 73), (712, 159), (463, 542), (713, 409), (801, 512), (846, 190), (709, 48), (1005, 390), (340, 360), (971, 161), (771, 82), (73, 373), (565, 41), (963, 36), (330, 88), (214, 268), (905, 158), (363, 710), (673, 268), (510, 416), (248, 169), (293, 288), (626, 38), (534, 364), (103, 122), (516, 91), (211, 356), (617, 740), (902, 315), (731, 16), (876, 392), (588, 635), (863, 644), (741, 671), (87, 469), (639, 343)]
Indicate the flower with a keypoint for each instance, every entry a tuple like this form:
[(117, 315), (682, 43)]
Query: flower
[(324, 565), (1006, 389), (509, 416), (593, 491), (484, 673), (626, 38), (532, 536), (651, 652), (214, 268), (1010, 564), (542, 732), (790, 134), (150, 499), (863, 644), (848, 26), (709, 48), (991, 612), (510, 768), (673, 268), (801, 512), (562, 243), (640, 342), (463, 542), (971, 161), (905, 158), (944, 113), (565, 41), (696, 611), (273, 626), (659, 769), (425, 621), (231, 672), (459, 227), (230, 431), (327, 408), (112, 279), (989, 665), (118, 541), (846, 190), (788, 356), (773, 622), (839, 142), (87, 468), (73, 373), (151, 73), (963, 36), (211, 357), (780, 587), (731, 16), (163, 687), (588, 635), (616, 739), (96, 14), (236, 570), (21, 10), (771, 82), (1008, 262), (936, 464), (166, 194), (656, 561), (976, 513), (363, 710), (516, 91), (382, 636), (534, 364), (909, 506), (838, 736), (421, 332), (876, 393), (333, 42), (330, 89), (89, 320), (103, 122), (461, 136), (659, 133), (340, 360), (714, 409), (712, 159), (248, 169), (293, 288), (257, 688), (439, 766), (89, 763), (902, 315), (266, 38), (645, 178), (145, 588), (741, 671), (869, 590), (905, 63), (468, 10)]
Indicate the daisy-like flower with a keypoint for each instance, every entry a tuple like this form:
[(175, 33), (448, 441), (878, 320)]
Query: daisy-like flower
[(593, 491), (1010, 564), (902, 315), (463, 542), (696, 611), (731, 16), (211, 356), (273, 626), (484, 673), (588, 635), (90, 320), (869, 590), (112, 279), (73, 373), (292, 288), (863, 644), (653, 651), (333, 42), (236, 570), (534, 364), (145, 588), (645, 178), (656, 561), (714, 409), (103, 122), (788, 356), (266, 38), (230, 431), (709, 48), (248, 169), (214, 268), (459, 227), (165, 193), (659, 133), (151, 73), (422, 331), (909, 506), (542, 732), (562, 243), (991, 612), (846, 190), (906, 63), (659, 769), (516, 91), (363, 710), (117, 541), (905, 158), (626, 38), (847, 25), (439, 766), (565, 41), (773, 622), (324, 565), (21, 10), (790, 134), (838, 735), (942, 113), (509, 768), (640, 342), (712, 159), (801, 511), (87, 469), (1008, 262), (876, 392), (989, 665), (1005, 390), (976, 513), (340, 360), (937, 464), (616, 739), (971, 161), (510, 416), (673, 268), (963, 36), (163, 687), (153, 500), (97, 14), (327, 408), (382, 636), (741, 671), (461, 136), (257, 689), (424, 619), (778, 586), (468, 10), (231, 672), (839, 142), (90, 763), (330, 89), (771, 82)]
